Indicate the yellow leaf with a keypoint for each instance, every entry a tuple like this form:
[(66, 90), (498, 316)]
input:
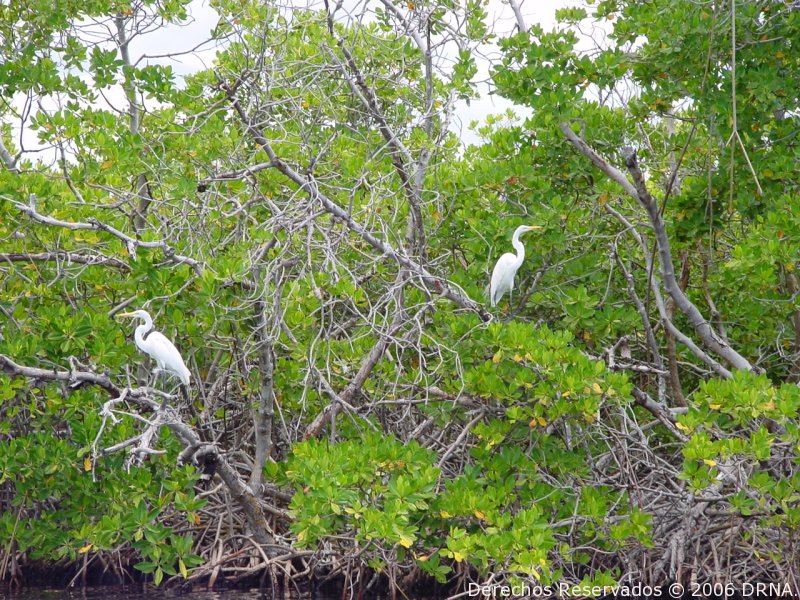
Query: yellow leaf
[(681, 426), (457, 556), (789, 267), (535, 574), (107, 164), (444, 514), (87, 463), (405, 541), (517, 358), (422, 558), (85, 549), (709, 462), (596, 388), (498, 356), (714, 406), (542, 421), (182, 568), (602, 200), (302, 535), (566, 394)]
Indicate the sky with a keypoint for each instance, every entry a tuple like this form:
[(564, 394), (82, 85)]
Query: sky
[(189, 52), (204, 19), (534, 11)]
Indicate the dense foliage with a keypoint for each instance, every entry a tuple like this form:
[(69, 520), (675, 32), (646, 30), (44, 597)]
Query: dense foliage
[(301, 219)]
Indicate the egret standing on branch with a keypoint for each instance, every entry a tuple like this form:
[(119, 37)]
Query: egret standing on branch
[(507, 265), (151, 342)]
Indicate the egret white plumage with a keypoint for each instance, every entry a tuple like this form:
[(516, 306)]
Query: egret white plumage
[(156, 344), (507, 266)]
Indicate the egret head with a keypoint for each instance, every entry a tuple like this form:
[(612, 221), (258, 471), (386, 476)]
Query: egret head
[(525, 228), (136, 314)]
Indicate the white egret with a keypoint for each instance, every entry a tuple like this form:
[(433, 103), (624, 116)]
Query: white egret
[(151, 342), (507, 265)]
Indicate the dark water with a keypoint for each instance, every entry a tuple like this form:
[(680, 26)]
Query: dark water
[(139, 593)]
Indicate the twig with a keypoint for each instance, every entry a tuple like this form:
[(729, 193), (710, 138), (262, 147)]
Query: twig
[(94, 224), (735, 124), (64, 256), (438, 284), (239, 490), (638, 191)]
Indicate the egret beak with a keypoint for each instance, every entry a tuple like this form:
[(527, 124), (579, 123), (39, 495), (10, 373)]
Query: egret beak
[(532, 227), (124, 315)]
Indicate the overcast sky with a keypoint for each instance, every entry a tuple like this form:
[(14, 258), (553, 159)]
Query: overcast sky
[(534, 11), (204, 19), (182, 47)]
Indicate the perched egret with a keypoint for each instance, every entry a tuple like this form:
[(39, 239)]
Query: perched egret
[(507, 265), (151, 342)]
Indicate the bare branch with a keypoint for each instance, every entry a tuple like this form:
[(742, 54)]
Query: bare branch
[(237, 174), (660, 411), (135, 117), (598, 161), (438, 284), (640, 308), (517, 8), (661, 304), (401, 157), (76, 378), (131, 243), (9, 161), (329, 413), (265, 408), (408, 28), (698, 321), (639, 193), (240, 491), (65, 257)]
